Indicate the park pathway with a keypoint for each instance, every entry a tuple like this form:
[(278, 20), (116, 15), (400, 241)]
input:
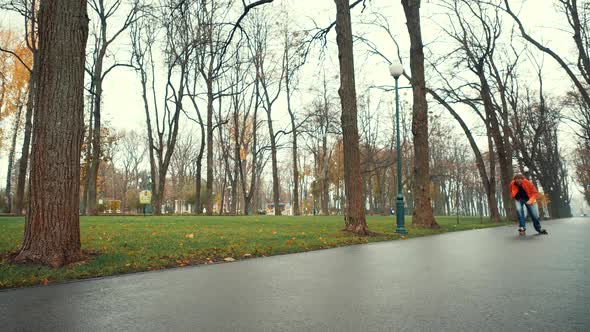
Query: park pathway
[(481, 280)]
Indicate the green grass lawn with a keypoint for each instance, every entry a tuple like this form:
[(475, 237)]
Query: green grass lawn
[(132, 244)]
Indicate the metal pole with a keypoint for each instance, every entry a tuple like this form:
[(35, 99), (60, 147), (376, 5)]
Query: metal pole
[(400, 213)]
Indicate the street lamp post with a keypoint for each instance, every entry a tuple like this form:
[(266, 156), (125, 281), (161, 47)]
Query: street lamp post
[(396, 70)]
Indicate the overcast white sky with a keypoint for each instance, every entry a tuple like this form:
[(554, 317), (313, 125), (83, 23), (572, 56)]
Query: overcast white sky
[(123, 107)]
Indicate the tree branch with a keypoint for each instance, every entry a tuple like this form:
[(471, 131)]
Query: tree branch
[(17, 57)]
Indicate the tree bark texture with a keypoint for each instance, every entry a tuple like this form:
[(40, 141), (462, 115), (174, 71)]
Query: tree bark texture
[(354, 217), (52, 228), (423, 214)]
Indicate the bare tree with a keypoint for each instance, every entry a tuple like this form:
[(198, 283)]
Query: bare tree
[(178, 49), (131, 155), (319, 127), (293, 61), (104, 11), (477, 34), (577, 16), (270, 71), (181, 164), (535, 139), (447, 96), (579, 35), (210, 61)]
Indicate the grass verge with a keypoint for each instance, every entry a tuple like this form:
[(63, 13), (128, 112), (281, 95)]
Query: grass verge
[(133, 244)]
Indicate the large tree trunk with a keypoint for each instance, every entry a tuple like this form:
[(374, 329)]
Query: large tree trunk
[(422, 213), (11, 159), (354, 218), (52, 229)]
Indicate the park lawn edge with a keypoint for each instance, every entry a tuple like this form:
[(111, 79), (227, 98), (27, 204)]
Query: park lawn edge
[(181, 261)]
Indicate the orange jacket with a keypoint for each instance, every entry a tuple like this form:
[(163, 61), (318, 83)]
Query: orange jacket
[(529, 189)]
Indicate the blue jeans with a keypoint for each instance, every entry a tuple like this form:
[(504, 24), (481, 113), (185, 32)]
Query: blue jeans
[(533, 211)]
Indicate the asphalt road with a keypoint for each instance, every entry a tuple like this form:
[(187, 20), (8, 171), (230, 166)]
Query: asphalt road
[(482, 280)]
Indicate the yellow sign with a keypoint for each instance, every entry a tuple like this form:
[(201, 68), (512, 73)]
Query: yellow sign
[(145, 197)]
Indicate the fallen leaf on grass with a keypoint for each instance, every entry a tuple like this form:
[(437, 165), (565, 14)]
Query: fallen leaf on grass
[(247, 255), (288, 242), (182, 263), (274, 232), (45, 282), (190, 236), (229, 259)]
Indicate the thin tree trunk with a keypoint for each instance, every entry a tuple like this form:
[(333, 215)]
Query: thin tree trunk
[(354, 218), (422, 212), (209, 184), (24, 160), (11, 159), (491, 185), (87, 158), (153, 167), (275, 166), (96, 137), (250, 197), (52, 229), (199, 178), (296, 208), (237, 160), (324, 190)]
